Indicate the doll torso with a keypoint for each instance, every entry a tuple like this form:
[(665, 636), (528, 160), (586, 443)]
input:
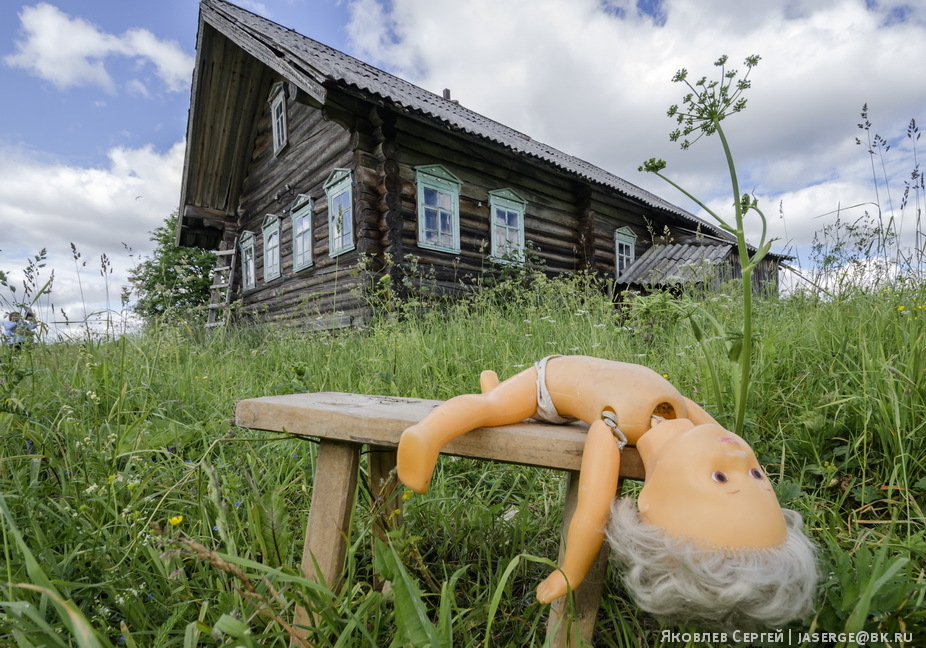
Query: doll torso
[(583, 387)]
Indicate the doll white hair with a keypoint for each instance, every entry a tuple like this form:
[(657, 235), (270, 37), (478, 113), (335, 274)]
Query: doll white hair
[(721, 589)]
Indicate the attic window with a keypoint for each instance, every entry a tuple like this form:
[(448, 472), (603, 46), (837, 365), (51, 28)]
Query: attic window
[(340, 212), (438, 209), (506, 217), (246, 244), (278, 116), (624, 253), (271, 230)]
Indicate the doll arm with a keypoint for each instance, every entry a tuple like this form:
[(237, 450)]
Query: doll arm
[(501, 404), (598, 475)]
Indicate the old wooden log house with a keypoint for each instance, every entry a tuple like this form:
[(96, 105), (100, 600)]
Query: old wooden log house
[(303, 162)]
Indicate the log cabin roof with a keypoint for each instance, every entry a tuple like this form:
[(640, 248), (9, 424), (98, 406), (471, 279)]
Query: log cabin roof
[(232, 72), (675, 263)]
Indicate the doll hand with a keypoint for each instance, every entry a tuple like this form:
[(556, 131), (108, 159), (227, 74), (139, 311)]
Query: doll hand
[(552, 587)]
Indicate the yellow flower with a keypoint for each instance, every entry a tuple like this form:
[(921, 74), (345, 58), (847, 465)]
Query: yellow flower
[(174, 521), (900, 308)]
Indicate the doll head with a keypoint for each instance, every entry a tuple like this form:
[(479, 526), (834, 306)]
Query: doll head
[(704, 483), (708, 542)]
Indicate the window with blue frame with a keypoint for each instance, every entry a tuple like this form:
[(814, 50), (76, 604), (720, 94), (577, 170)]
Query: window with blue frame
[(278, 117), (624, 253), (301, 222), (438, 209), (248, 277), (506, 209), (271, 232), (340, 212)]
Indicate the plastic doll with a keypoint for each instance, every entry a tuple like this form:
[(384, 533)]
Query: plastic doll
[(707, 541)]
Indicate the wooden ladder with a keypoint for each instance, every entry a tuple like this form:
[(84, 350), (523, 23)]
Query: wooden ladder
[(220, 293)]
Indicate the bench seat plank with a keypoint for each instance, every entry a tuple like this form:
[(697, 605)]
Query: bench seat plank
[(380, 421)]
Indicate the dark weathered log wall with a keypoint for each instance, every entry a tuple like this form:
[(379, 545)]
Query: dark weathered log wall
[(569, 224), (324, 294)]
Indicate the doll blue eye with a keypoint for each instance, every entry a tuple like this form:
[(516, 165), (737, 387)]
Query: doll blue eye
[(756, 473), (719, 477)]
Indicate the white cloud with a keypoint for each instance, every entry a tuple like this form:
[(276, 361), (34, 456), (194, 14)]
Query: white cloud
[(45, 204), (596, 85), (71, 52)]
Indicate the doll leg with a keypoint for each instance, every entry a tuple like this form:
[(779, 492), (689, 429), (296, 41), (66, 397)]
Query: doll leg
[(601, 460), (504, 403)]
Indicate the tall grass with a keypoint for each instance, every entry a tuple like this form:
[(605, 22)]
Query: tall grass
[(134, 514)]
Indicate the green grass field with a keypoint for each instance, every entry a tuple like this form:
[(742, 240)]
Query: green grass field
[(134, 514)]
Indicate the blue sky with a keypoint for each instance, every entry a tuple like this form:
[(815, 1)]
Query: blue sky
[(96, 95)]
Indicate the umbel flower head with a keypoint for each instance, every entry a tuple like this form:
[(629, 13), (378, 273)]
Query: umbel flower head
[(709, 102)]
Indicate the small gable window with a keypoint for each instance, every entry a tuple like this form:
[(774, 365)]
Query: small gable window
[(624, 242), (340, 212), (271, 231), (246, 245), (278, 116), (438, 209), (506, 209), (301, 221)]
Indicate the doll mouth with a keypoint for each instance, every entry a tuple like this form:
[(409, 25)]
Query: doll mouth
[(733, 492)]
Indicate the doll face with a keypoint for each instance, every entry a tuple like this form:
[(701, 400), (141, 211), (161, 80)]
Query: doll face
[(705, 484)]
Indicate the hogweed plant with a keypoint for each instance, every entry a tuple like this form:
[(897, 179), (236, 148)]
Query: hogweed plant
[(703, 109)]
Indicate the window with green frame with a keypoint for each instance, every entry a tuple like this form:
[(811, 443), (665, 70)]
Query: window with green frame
[(340, 212), (624, 254), (506, 214), (271, 232), (300, 218), (278, 121), (438, 208), (248, 277)]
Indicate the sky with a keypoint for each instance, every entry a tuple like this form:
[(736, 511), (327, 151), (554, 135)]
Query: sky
[(96, 94)]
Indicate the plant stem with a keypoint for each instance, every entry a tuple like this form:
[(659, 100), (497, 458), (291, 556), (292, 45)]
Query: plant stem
[(745, 358)]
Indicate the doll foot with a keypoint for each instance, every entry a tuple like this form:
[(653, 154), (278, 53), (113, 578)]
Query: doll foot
[(488, 380), (552, 587), (415, 461)]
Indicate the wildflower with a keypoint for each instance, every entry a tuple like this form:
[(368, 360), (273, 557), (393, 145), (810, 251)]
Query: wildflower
[(900, 308), (176, 520), (407, 495)]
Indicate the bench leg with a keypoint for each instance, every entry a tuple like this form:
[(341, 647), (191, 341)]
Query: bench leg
[(562, 628), (384, 486), (334, 491)]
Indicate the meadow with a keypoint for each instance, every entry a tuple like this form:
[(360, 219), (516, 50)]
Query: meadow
[(134, 514)]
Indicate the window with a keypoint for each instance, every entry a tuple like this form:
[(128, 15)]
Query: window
[(301, 221), (438, 209), (278, 116), (246, 244), (340, 212), (271, 230), (506, 209), (624, 242)]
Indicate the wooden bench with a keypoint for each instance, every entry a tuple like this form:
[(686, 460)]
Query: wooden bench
[(345, 423)]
